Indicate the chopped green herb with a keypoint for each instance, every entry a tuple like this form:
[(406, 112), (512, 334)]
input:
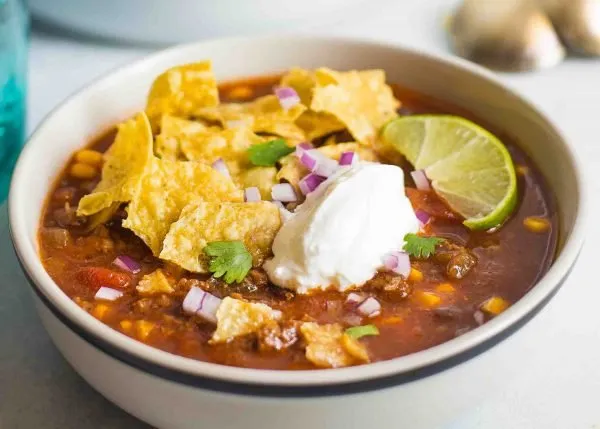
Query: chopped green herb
[(229, 259), (357, 332), (420, 247), (267, 154)]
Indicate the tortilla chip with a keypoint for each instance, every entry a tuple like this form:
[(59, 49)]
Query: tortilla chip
[(203, 222), (261, 177), (155, 282), (303, 81), (263, 115), (236, 318), (325, 345), (167, 188), (182, 90), (125, 164), (230, 144), (361, 100), (292, 170), (172, 131), (314, 124)]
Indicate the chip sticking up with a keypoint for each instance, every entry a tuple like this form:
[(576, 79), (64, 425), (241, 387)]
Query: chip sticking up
[(125, 164), (167, 188), (314, 124), (263, 115), (236, 317), (182, 90), (361, 100), (203, 222)]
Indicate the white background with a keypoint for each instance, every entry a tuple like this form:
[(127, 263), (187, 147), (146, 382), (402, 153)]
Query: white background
[(559, 385)]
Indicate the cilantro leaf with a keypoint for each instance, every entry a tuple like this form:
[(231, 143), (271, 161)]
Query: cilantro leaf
[(357, 332), (229, 259), (420, 247), (267, 154)]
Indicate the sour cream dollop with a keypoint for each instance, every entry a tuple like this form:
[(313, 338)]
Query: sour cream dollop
[(339, 236)]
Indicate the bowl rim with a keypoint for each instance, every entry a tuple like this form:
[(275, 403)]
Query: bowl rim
[(285, 382)]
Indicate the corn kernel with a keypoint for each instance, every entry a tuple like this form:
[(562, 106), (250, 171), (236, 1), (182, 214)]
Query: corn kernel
[(100, 311), (445, 288), (428, 299), (126, 325), (495, 305), (89, 156), (415, 275), (536, 224), (241, 92), (391, 320), (522, 170), (143, 328), (83, 171)]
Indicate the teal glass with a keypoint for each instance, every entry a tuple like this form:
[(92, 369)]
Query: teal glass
[(14, 29)]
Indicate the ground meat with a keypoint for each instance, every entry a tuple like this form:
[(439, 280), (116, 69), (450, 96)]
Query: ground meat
[(460, 264), (393, 287), (458, 259), (153, 303), (185, 284), (276, 337)]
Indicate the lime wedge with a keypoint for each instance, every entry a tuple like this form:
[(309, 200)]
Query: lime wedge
[(468, 167)]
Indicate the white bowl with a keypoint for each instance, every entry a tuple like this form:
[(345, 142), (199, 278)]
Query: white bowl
[(421, 390)]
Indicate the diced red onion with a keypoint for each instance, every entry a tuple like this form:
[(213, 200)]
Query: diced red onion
[(221, 167), (288, 97), (202, 304), (479, 317), (348, 158), (108, 294), (398, 262), (208, 308), (252, 195), (308, 159), (127, 263), (318, 163), (310, 182), (302, 147), (422, 216), (370, 307), (325, 167), (353, 299), (283, 192), (421, 180)]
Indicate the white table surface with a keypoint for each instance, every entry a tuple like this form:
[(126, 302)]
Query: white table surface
[(561, 390)]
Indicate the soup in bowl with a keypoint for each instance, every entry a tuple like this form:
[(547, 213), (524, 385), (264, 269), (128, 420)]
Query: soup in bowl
[(343, 215)]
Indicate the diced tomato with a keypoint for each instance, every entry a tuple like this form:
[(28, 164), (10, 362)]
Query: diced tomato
[(95, 277), (430, 203)]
